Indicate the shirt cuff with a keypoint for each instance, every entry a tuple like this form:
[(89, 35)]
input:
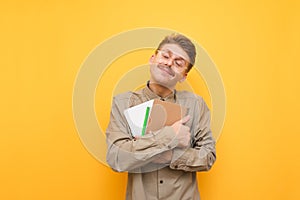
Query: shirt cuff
[(180, 159)]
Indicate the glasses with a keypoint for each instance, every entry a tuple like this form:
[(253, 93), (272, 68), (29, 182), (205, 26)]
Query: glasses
[(177, 61)]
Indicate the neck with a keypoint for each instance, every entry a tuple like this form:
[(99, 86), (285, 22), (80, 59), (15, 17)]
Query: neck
[(160, 90)]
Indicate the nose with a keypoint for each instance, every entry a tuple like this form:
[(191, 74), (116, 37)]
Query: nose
[(169, 62)]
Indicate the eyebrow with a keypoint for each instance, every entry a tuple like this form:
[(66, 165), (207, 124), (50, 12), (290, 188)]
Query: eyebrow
[(179, 57)]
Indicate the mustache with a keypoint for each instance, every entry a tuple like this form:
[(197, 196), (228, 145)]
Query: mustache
[(167, 69)]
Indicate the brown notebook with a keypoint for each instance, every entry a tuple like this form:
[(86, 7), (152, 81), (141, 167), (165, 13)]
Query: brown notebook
[(164, 114)]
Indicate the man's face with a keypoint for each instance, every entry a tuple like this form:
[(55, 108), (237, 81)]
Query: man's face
[(169, 65)]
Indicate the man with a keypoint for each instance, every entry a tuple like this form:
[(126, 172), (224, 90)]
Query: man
[(163, 164)]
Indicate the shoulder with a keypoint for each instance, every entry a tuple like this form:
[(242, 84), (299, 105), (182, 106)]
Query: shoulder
[(127, 99), (191, 100), (128, 95), (123, 96), (123, 99), (186, 95)]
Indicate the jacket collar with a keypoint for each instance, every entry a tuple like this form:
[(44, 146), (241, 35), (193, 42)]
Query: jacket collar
[(151, 95)]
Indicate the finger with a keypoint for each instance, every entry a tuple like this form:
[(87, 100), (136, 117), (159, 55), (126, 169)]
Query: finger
[(185, 119)]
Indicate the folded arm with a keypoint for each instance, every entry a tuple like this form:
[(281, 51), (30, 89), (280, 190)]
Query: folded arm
[(202, 154), (125, 153)]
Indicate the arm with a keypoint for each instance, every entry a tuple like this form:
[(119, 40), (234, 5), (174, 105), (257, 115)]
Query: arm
[(125, 153), (202, 155)]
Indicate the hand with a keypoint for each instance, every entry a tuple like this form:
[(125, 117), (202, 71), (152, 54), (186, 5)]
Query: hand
[(182, 132)]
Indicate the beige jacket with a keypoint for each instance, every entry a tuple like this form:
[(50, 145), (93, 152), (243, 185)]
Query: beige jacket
[(148, 180)]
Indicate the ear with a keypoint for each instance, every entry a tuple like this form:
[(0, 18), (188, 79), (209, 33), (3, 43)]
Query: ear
[(151, 59), (183, 78)]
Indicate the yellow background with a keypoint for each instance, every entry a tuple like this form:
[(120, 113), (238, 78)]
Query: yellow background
[(255, 45)]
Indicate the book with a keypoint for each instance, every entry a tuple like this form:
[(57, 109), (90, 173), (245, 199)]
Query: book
[(152, 116)]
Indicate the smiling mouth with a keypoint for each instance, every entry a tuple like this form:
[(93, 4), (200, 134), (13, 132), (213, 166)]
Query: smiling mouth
[(168, 70)]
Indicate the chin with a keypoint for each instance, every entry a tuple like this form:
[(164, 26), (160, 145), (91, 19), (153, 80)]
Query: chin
[(166, 81)]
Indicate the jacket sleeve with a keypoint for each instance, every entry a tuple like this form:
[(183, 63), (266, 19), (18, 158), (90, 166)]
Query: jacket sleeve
[(125, 153), (202, 154)]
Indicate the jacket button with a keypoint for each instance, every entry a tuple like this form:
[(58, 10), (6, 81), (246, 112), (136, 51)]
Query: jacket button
[(161, 181)]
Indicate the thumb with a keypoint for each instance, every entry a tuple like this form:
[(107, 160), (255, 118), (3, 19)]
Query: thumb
[(185, 119)]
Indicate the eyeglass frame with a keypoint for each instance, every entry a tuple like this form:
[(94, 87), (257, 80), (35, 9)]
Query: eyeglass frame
[(171, 54)]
